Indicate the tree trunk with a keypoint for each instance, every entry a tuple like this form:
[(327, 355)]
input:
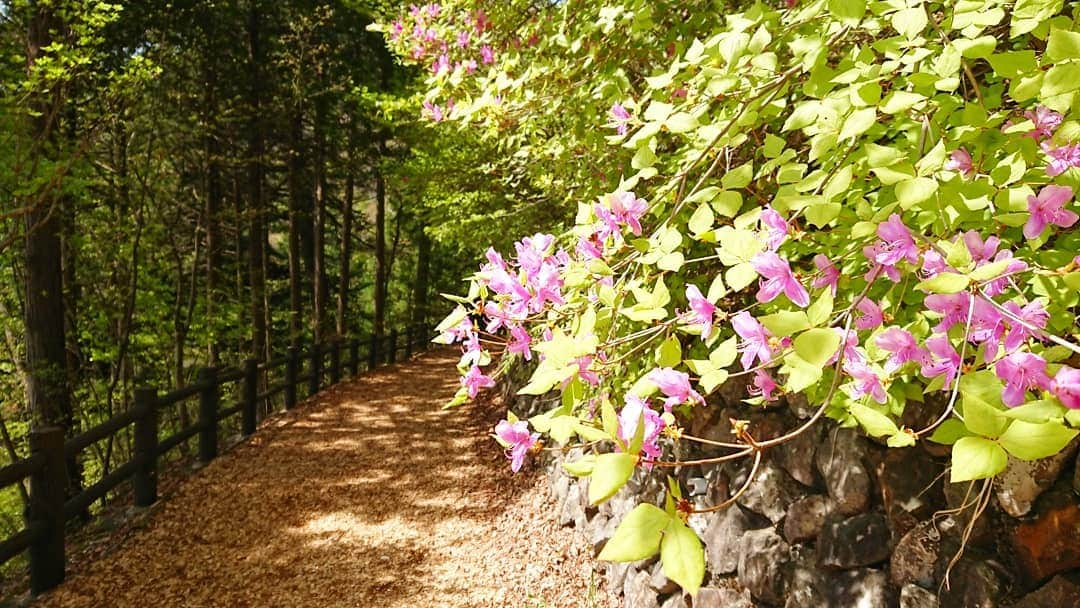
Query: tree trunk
[(380, 253), (48, 396), (257, 242), (320, 288), (214, 198), (295, 166), (423, 273), (346, 252)]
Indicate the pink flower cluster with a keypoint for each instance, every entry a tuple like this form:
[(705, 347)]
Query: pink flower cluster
[(451, 41), (616, 212)]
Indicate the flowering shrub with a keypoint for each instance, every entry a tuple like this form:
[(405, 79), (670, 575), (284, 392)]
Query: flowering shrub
[(868, 205)]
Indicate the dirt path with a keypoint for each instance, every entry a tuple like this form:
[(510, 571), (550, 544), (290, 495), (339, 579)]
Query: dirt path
[(368, 495)]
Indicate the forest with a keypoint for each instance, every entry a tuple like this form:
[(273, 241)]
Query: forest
[(195, 183)]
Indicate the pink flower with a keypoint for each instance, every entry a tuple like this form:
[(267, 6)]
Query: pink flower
[(620, 118), (960, 161), (866, 380), (997, 286), (775, 226), (953, 307), (590, 248), (516, 436), (945, 360), (701, 311), (629, 209), (586, 374), (520, 342), (933, 264), (778, 278), (755, 339), (441, 65), (829, 276), (903, 347), (487, 56), (433, 111), (1045, 120), (764, 386), (1049, 208), (981, 251), (899, 244), (1032, 314), (1021, 371), (872, 316), (851, 347), (470, 66), (475, 380), (1066, 386), (675, 386), (1061, 158), (463, 39), (637, 411)]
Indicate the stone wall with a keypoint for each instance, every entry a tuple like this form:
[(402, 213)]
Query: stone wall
[(837, 520)]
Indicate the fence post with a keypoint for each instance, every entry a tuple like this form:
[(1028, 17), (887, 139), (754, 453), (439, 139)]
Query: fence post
[(46, 509), (291, 363), (208, 409), (250, 396), (392, 355), (335, 361), (373, 352), (144, 482), (354, 356), (316, 369)]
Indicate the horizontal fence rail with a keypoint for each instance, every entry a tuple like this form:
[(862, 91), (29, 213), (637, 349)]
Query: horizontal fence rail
[(49, 507)]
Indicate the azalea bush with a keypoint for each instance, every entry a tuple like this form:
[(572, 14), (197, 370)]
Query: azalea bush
[(868, 207)]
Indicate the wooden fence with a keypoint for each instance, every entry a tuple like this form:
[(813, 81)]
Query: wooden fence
[(49, 508)]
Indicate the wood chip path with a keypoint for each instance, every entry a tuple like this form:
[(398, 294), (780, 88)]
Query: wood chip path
[(367, 495)]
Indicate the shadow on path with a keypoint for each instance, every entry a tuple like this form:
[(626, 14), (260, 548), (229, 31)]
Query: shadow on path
[(367, 495)]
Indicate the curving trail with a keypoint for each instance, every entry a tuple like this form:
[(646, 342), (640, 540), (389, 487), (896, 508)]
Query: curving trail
[(367, 495)]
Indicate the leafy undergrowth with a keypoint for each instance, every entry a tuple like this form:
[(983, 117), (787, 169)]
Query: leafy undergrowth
[(369, 494)]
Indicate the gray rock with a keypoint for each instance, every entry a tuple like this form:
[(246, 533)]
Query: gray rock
[(675, 601), (1058, 593), (573, 509), (601, 529), (560, 486), (863, 587), (771, 492), (973, 584), (616, 574), (839, 459), (713, 597), (914, 596), (804, 580), (1022, 481), (637, 593), (805, 518), (660, 583), (914, 557), (861, 540), (800, 406), (796, 457), (723, 539), (763, 562), (910, 482)]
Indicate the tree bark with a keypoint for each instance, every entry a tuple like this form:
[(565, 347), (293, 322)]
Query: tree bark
[(257, 241), (320, 291), (345, 260), (295, 167), (380, 250), (423, 273), (47, 392), (214, 198)]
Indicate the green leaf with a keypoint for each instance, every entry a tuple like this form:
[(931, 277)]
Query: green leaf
[(1062, 44), (682, 556), (913, 191), (589, 432), (1060, 79), (989, 271), (848, 10), (858, 122), (910, 22), (1040, 411), (785, 322), (946, 282), (702, 220), (874, 422), (1032, 441), (822, 213), (800, 374), (727, 203), (980, 416), (820, 311), (949, 432), (609, 418), (740, 276), (681, 122), (725, 353), (817, 345), (638, 535), (713, 378), (976, 458), (610, 473), (900, 101), (563, 428), (1013, 63), (739, 177), (581, 467), (669, 353)]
